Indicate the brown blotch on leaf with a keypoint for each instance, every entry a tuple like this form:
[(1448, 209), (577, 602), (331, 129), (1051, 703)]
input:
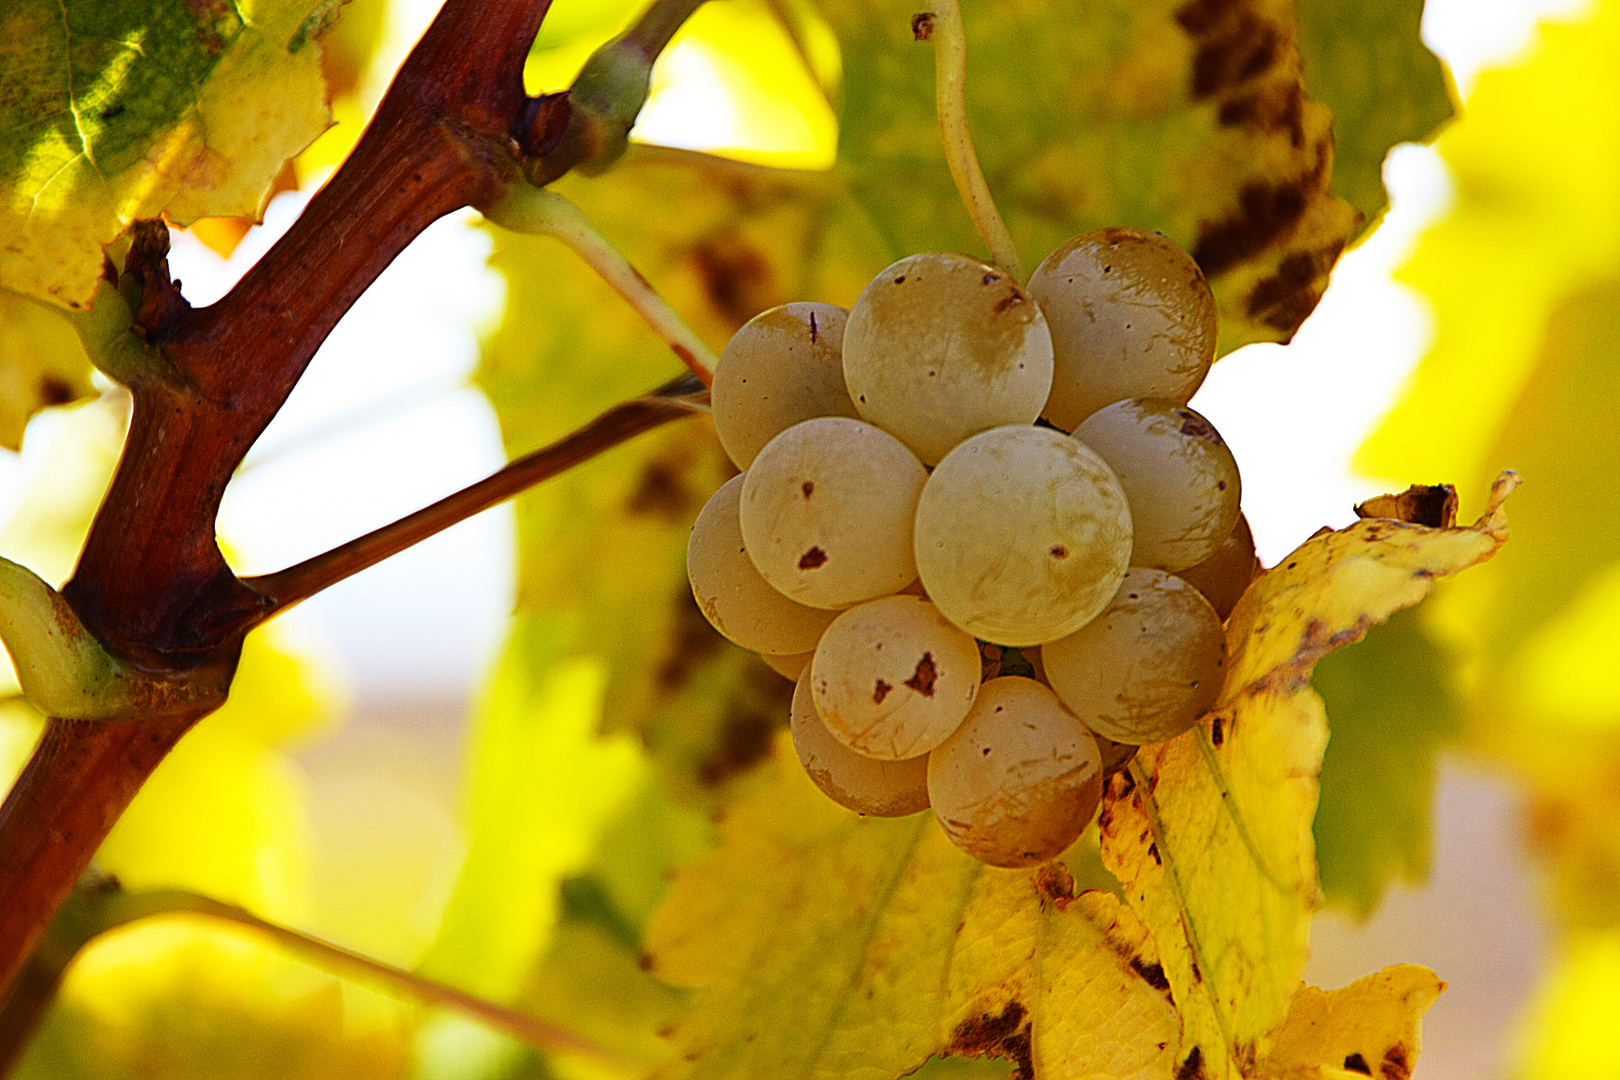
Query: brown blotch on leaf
[(692, 640), (1217, 732), (1265, 212), (746, 733), (1233, 43), (922, 679), (1058, 551), (1153, 850), (1284, 299), (661, 491), (1357, 1063), (1192, 1066), (922, 26), (880, 690), (54, 390), (1434, 505), (1396, 1065), (808, 487), (1055, 885), (1152, 974), (813, 558), (1004, 1035), (736, 277), (1199, 17), (1272, 107)]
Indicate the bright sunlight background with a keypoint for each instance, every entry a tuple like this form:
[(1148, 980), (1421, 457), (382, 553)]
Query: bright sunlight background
[(385, 422)]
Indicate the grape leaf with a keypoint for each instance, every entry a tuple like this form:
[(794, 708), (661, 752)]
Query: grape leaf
[(1185, 116), (41, 363), (602, 549), (1368, 63), (125, 110), (823, 943), (1372, 1024), (1373, 823), (543, 783), (1211, 832)]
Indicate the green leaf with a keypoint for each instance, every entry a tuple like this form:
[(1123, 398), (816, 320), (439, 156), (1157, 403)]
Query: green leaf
[(1367, 62), (1185, 117), (542, 786), (1392, 710), (122, 109)]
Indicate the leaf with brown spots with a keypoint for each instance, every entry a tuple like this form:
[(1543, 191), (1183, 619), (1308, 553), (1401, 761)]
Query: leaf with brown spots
[(1214, 843), (1372, 1027), (1196, 118), (822, 943)]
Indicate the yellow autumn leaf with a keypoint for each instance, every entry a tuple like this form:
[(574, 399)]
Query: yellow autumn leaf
[(1370, 1028), (131, 109), (826, 944), (1211, 832)]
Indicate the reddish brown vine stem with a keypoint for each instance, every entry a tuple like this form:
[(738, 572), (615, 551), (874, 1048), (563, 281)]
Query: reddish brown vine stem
[(151, 583)]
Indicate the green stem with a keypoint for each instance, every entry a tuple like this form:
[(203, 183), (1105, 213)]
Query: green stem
[(62, 668), (536, 211), (950, 88)]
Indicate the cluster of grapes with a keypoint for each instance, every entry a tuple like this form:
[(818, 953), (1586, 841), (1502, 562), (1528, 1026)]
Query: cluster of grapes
[(914, 519)]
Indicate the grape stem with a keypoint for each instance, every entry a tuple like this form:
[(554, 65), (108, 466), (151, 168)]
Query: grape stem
[(944, 31), (284, 588), (99, 904), (525, 208)]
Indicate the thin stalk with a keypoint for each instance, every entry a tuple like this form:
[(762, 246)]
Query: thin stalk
[(652, 32), (950, 88), (624, 421), (99, 904), (536, 211)]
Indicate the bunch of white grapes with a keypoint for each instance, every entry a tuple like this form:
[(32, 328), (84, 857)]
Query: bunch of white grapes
[(960, 477)]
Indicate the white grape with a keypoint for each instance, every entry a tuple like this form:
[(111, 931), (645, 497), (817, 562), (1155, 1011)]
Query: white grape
[(730, 592), (1225, 575), (1130, 315), (1182, 480), (785, 365), (791, 666), (1023, 535), (1020, 778), (827, 512), (941, 346), (1148, 667), (893, 678), (862, 784)]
